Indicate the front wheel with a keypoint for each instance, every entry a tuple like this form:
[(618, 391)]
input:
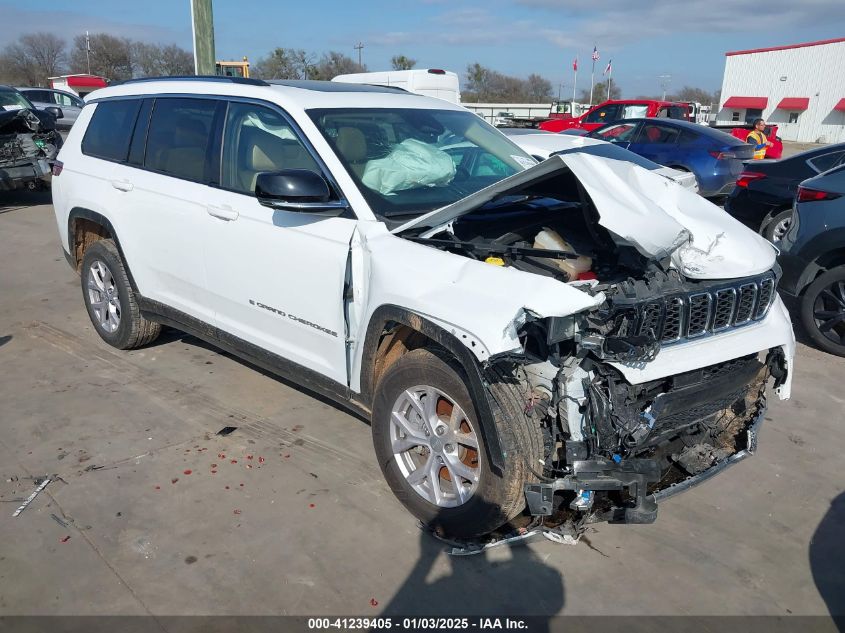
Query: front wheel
[(823, 311), (431, 450), (110, 300)]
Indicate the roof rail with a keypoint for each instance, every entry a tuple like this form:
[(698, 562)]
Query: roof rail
[(235, 80)]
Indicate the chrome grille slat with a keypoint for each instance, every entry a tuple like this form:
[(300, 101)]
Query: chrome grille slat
[(674, 320), (745, 303), (764, 298), (709, 311), (725, 308), (700, 306)]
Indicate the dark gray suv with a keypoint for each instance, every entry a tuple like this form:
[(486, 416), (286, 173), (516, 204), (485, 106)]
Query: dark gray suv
[(813, 258)]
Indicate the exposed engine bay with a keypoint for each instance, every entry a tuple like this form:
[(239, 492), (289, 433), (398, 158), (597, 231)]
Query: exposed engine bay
[(27, 143), (612, 448)]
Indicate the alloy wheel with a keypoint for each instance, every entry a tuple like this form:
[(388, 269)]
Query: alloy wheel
[(102, 296), (781, 229), (435, 446), (829, 312)]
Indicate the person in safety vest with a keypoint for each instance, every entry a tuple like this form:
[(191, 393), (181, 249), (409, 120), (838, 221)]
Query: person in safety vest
[(758, 139)]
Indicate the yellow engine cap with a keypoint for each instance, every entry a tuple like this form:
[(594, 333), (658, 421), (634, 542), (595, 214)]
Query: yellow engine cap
[(496, 261)]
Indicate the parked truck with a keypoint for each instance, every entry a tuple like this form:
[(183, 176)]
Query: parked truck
[(616, 110)]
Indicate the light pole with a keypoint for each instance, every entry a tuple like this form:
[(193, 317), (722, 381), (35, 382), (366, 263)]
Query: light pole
[(664, 80)]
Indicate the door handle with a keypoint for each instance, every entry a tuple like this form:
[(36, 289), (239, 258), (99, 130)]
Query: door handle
[(224, 212), (122, 185)]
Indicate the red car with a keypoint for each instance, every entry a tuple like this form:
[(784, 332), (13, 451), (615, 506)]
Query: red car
[(742, 131), (617, 110)]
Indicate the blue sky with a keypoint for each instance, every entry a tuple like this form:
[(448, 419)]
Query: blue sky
[(684, 38)]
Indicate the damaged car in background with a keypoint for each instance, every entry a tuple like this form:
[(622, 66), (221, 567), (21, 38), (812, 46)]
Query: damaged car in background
[(567, 341), (28, 141)]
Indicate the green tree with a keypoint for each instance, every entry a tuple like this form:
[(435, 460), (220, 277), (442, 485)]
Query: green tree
[(400, 62)]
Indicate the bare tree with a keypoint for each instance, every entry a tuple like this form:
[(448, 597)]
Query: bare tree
[(152, 60), (478, 82), (285, 63), (400, 62), (538, 88), (486, 85), (688, 93), (332, 64), (33, 58), (111, 57)]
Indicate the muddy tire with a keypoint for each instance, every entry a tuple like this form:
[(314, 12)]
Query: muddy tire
[(823, 311), (110, 300), (483, 500)]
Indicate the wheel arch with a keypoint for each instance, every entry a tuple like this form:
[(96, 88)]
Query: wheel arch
[(84, 227), (392, 331)]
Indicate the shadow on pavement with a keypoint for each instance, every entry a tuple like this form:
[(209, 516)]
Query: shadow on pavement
[(4, 340), (22, 198), (498, 583), (173, 335), (827, 559)]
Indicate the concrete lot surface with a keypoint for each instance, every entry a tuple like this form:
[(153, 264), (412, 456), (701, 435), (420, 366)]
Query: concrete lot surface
[(151, 512)]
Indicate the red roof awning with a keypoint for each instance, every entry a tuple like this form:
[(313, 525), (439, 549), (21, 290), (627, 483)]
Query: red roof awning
[(757, 103), (86, 82), (840, 106), (794, 103)]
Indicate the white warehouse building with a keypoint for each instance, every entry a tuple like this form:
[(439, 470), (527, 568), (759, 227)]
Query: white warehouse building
[(800, 88)]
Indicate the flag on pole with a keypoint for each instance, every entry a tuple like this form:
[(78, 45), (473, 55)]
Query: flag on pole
[(595, 54), (608, 67), (575, 64)]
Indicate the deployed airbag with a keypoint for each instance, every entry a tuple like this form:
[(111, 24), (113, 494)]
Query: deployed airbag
[(409, 164)]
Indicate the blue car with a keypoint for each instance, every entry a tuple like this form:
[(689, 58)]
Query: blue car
[(714, 157)]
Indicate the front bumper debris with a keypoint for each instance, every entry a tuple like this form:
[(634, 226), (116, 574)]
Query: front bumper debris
[(633, 475)]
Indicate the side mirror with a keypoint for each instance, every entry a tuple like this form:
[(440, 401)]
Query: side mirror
[(299, 190), (56, 112)]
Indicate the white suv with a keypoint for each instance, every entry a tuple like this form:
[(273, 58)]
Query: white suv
[(578, 336)]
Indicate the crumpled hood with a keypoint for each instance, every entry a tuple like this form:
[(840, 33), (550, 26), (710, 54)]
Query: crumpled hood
[(656, 216)]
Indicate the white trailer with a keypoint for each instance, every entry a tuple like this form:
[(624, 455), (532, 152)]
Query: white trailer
[(431, 82)]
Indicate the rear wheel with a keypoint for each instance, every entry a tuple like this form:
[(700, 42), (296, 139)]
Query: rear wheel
[(823, 311), (110, 300), (431, 450), (778, 226)]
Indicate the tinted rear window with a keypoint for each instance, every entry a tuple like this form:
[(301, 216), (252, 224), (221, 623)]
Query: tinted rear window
[(179, 137), (825, 161), (110, 129)]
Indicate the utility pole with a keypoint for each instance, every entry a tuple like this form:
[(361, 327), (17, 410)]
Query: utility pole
[(202, 25), (358, 47), (664, 80)]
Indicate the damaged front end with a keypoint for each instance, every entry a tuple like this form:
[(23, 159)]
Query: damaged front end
[(28, 145), (614, 447), (661, 384)]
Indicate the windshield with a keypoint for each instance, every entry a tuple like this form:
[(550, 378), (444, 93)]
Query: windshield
[(607, 150), (409, 161), (635, 111), (13, 100)]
